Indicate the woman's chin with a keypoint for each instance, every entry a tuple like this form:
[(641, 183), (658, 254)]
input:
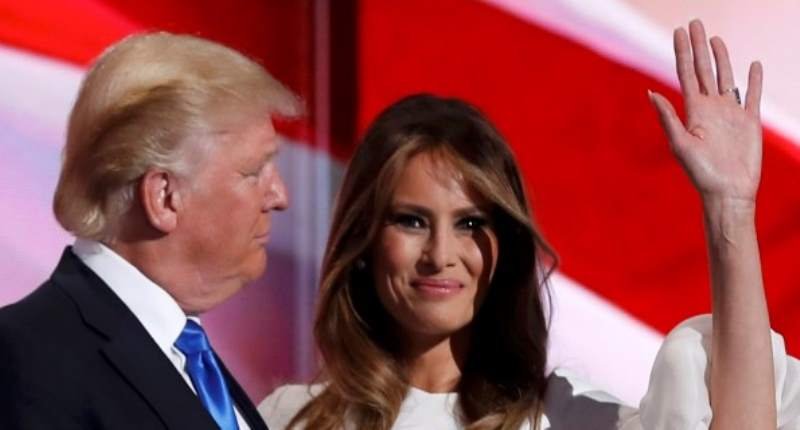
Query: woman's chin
[(437, 326)]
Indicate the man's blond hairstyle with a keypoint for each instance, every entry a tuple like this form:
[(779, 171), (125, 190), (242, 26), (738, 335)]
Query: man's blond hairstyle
[(142, 105)]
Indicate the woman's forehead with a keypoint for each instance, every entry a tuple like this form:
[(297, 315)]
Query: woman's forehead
[(435, 177)]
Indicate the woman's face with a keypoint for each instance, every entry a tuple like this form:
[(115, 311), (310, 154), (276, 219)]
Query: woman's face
[(436, 251)]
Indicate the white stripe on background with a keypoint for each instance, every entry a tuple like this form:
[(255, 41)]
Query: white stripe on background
[(599, 342), (35, 86), (37, 93)]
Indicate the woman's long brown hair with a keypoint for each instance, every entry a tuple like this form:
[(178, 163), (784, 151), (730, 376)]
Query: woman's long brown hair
[(503, 381)]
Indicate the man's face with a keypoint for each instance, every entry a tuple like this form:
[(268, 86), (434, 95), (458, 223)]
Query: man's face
[(226, 217)]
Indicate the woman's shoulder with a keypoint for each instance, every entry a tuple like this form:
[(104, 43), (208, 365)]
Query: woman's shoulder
[(278, 408)]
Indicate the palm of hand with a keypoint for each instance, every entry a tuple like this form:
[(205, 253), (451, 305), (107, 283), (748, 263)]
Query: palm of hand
[(720, 145), (721, 148)]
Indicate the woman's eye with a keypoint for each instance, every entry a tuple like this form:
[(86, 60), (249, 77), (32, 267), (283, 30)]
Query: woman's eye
[(408, 221), (471, 223)]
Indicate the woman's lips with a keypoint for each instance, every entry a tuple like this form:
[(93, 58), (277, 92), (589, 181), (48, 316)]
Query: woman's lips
[(437, 288)]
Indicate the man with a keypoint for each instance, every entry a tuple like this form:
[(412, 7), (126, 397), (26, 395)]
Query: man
[(168, 183)]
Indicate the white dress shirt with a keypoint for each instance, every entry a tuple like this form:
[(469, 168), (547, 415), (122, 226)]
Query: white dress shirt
[(156, 310)]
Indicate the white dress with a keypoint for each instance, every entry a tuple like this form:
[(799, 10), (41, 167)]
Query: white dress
[(676, 399)]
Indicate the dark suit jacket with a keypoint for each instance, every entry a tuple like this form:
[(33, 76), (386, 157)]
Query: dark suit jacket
[(72, 356)]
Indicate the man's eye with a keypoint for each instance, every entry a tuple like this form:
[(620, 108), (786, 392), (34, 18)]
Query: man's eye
[(408, 221), (472, 223), (252, 173)]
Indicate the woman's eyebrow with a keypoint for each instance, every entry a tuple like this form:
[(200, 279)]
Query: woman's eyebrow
[(411, 207), (471, 210)]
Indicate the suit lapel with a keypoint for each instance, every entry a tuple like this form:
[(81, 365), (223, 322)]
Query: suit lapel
[(130, 350), (246, 407), (158, 382)]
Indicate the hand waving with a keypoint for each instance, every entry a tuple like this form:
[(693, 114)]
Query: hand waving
[(720, 145)]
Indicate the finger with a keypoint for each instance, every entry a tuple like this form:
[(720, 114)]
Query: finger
[(754, 83), (702, 58), (670, 122), (725, 80), (684, 65)]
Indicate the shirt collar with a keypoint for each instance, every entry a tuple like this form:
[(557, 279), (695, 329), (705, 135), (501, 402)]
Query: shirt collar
[(155, 309)]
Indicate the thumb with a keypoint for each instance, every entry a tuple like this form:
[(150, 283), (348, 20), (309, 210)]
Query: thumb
[(670, 122)]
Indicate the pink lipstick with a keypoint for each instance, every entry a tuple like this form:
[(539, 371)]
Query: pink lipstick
[(437, 288)]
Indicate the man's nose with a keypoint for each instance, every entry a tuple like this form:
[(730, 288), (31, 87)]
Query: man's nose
[(276, 196)]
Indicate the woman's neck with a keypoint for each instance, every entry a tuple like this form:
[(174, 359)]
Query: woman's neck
[(434, 364)]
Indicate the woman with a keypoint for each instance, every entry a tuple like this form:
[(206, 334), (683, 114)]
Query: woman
[(431, 312)]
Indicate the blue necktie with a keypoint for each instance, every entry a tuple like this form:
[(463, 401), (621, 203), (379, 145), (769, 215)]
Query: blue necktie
[(202, 367)]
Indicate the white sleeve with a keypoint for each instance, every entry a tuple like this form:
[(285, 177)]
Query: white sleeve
[(677, 396), (572, 403), (278, 408)]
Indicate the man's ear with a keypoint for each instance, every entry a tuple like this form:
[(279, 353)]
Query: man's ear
[(161, 199)]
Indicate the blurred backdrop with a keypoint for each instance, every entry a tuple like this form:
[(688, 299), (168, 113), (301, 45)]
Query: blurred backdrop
[(565, 80)]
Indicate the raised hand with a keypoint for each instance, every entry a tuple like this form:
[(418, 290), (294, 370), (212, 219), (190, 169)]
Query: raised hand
[(720, 145), (720, 149)]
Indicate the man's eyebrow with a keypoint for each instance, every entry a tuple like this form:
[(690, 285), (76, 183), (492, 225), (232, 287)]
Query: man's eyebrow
[(268, 155)]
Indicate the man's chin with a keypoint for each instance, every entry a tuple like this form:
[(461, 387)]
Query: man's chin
[(256, 268)]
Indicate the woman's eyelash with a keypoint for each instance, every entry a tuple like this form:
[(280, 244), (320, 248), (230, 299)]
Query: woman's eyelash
[(472, 222), (408, 220), (413, 221)]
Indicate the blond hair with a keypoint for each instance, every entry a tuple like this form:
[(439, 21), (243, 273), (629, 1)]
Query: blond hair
[(504, 380), (141, 106)]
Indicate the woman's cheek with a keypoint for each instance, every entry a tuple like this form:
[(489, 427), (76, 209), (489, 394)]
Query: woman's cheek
[(474, 258)]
